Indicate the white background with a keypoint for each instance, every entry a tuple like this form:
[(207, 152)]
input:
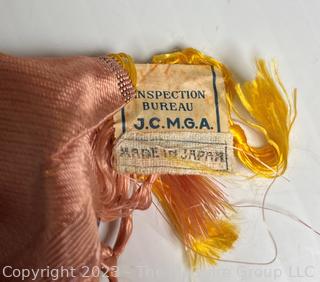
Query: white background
[(235, 32)]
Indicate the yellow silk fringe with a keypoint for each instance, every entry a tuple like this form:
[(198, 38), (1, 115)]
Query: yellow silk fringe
[(272, 115), (197, 213), (271, 110)]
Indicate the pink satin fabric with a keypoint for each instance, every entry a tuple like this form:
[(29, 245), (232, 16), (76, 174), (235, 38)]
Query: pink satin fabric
[(55, 174)]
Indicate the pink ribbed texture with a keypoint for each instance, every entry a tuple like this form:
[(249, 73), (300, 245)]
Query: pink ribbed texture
[(50, 111)]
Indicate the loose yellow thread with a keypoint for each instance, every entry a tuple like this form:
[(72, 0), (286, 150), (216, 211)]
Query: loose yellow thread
[(265, 100), (272, 113)]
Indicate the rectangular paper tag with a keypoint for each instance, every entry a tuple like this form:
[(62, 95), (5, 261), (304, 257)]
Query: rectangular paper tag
[(176, 124)]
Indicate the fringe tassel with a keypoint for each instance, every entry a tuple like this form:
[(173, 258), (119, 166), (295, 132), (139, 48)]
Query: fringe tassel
[(195, 205), (265, 100), (191, 202), (272, 114), (197, 210)]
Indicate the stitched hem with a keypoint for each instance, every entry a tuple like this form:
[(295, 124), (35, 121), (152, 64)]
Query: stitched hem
[(124, 82)]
